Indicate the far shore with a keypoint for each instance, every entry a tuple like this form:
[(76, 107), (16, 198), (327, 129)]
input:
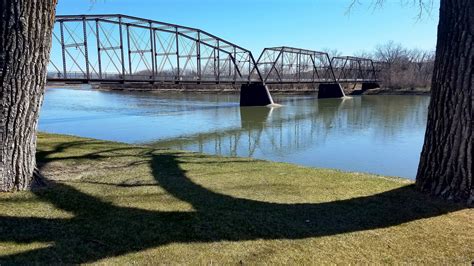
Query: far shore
[(234, 89)]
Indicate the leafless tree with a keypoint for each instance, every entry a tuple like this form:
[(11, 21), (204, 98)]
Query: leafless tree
[(405, 68)]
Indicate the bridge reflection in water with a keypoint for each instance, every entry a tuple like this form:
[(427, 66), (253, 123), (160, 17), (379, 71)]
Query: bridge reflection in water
[(288, 135)]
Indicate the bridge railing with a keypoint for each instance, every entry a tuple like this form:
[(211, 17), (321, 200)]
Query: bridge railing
[(124, 48)]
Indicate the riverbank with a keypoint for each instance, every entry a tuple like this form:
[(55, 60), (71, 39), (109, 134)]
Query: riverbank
[(288, 89), (116, 203)]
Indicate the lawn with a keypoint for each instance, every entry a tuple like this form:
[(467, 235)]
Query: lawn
[(116, 203)]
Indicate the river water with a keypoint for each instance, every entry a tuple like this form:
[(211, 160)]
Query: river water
[(374, 134)]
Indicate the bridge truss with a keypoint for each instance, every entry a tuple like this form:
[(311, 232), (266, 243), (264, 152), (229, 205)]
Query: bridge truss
[(294, 65), (119, 48)]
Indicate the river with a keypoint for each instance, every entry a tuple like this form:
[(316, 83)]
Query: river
[(374, 134)]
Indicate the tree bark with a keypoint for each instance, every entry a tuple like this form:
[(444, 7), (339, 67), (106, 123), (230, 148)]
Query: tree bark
[(25, 40), (446, 167)]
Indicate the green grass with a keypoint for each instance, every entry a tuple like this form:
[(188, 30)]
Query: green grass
[(116, 203)]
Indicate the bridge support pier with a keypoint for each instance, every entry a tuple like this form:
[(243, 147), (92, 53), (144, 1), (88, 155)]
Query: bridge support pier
[(370, 85), (330, 90), (255, 94)]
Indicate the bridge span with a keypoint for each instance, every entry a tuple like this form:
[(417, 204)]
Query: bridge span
[(124, 49)]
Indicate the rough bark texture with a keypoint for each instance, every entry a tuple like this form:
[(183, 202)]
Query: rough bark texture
[(446, 167), (25, 40)]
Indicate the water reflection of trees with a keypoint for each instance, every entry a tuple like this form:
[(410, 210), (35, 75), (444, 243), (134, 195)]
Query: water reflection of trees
[(307, 122)]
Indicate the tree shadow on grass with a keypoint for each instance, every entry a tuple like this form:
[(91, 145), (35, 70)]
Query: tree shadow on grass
[(99, 229)]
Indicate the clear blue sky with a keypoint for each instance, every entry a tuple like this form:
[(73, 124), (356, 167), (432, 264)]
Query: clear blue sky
[(310, 24)]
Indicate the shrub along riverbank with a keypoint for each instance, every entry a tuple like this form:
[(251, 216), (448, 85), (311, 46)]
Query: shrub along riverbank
[(117, 203)]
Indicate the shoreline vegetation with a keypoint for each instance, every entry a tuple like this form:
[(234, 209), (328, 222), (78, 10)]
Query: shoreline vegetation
[(109, 202)]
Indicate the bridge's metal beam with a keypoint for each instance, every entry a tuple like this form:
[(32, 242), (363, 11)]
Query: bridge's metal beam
[(353, 58), (297, 50), (137, 79)]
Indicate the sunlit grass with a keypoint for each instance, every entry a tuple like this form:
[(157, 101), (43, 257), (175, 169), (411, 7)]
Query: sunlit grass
[(116, 203)]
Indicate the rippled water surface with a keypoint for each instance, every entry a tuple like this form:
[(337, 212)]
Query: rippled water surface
[(376, 134)]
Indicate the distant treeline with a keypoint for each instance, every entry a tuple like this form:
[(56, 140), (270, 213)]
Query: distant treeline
[(403, 67)]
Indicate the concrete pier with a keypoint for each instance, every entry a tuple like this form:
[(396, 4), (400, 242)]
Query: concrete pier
[(255, 94), (330, 90)]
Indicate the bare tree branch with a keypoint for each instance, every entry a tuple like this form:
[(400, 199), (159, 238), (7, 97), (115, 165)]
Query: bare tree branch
[(424, 6)]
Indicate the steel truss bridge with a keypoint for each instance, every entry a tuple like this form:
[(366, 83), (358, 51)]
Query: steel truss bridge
[(126, 49)]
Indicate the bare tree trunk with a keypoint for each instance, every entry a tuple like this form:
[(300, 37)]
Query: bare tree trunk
[(25, 40), (446, 167)]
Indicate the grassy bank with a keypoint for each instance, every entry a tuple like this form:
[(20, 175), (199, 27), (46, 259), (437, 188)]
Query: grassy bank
[(116, 203)]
